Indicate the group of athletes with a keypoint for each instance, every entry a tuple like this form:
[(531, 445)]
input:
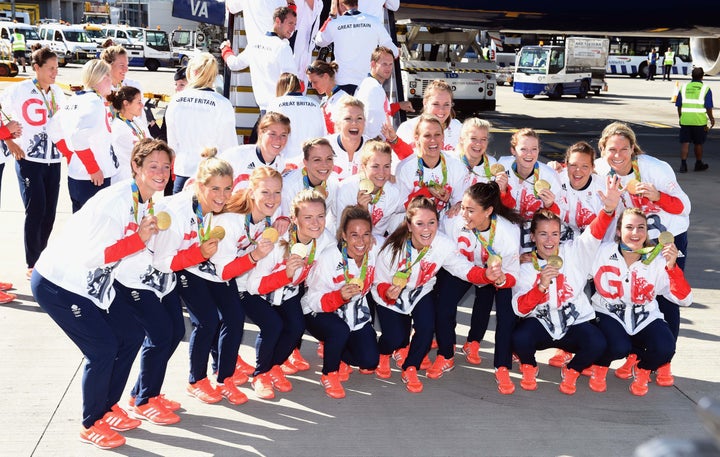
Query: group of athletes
[(368, 244)]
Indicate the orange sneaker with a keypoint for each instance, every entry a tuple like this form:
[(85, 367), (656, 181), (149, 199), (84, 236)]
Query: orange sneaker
[(153, 411), (243, 366), (263, 386), (400, 355), (569, 378), (344, 371), (664, 377), (529, 373), (471, 349), (102, 436), (383, 369), (228, 390), (239, 378), (587, 371), (560, 358), (332, 385), (204, 391), (412, 383), (639, 385), (598, 382), (366, 371), (440, 367), (426, 363), (5, 286), (505, 384), (288, 368), (434, 344), (320, 351), (6, 297), (118, 419), (279, 381), (298, 361), (168, 404), (625, 371)]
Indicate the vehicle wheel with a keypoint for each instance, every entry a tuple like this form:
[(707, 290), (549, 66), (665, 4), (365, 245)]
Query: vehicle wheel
[(584, 89), (557, 93), (4, 70), (500, 83), (597, 91), (152, 64), (184, 61), (529, 95), (643, 70)]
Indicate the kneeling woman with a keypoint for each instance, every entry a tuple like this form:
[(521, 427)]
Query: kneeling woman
[(406, 267), (336, 304), (629, 275), (73, 283), (275, 288), (550, 294)]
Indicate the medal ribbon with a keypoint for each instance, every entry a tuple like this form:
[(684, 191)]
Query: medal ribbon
[(52, 107), (248, 220), (294, 240), (307, 185), (408, 256), (363, 267), (485, 163), (421, 173), (137, 131), (487, 244), (202, 232), (536, 175), (647, 254), (136, 202)]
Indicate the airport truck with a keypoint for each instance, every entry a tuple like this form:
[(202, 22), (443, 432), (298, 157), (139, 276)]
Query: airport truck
[(575, 68)]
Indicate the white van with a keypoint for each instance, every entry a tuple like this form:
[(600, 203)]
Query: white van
[(147, 48), (7, 29), (70, 41)]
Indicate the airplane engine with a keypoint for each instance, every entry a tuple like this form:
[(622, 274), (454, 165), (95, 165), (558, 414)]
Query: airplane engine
[(705, 53)]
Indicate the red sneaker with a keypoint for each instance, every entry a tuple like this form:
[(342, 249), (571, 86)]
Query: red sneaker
[(288, 368), (400, 355), (118, 419), (569, 378), (332, 385), (239, 378), (320, 350), (228, 390), (344, 371), (102, 436), (243, 366), (505, 384), (279, 381), (440, 367), (383, 369), (263, 386), (426, 363), (598, 381), (5, 286), (434, 344), (204, 391), (6, 297), (664, 377), (168, 404), (529, 373), (560, 358), (625, 371), (298, 361), (471, 349), (153, 411), (639, 385), (412, 383)]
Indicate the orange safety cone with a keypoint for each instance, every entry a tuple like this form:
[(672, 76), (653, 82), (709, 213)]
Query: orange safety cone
[(675, 93)]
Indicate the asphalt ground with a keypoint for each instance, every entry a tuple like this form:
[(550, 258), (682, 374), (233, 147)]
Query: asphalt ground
[(460, 414)]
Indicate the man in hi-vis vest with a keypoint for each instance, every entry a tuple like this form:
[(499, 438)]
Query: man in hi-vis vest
[(668, 62), (17, 39), (694, 104)]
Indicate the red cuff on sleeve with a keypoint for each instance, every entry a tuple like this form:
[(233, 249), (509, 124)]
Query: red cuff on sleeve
[(123, 248), (5, 133), (394, 108), (382, 289), (679, 286), (64, 149), (87, 157), (402, 149), (507, 199), (477, 275), (555, 208), (600, 224), (237, 267), (324, 26), (423, 191), (531, 299), (227, 52), (509, 282), (332, 301), (187, 258), (672, 205), (273, 281)]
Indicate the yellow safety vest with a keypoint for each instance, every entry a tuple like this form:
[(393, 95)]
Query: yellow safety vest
[(18, 42), (669, 58), (692, 111)]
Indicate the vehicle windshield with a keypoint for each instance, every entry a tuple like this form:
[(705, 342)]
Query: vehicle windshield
[(30, 34), (533, 60), (95, 34), (181, 38), (134, 34), (76, 37)]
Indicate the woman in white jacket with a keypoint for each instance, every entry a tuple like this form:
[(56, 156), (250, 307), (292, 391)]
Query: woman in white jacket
[(127, 129)]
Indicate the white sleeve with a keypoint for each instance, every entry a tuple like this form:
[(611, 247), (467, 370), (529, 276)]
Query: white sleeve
[(384, 39), (526, 281), (392, 5), (321, 280), (240, 61), (325, 35)]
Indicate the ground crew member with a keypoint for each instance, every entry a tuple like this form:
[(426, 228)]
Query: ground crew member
[(18, 46), (668, 61), (694, 104)]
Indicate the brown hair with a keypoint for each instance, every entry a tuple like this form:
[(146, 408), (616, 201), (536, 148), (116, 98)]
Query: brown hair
[(581, 147), (320, 67), (124, 94), (270, 118), (397, 238), (145, 147), (525, 131), (622, 129), (349, 214), (379, 52), (111, 53), (308, 146), (487, 194), (287, 82), (439, 85), (543, 215), (635, 212), (41, 54), (212, 166)]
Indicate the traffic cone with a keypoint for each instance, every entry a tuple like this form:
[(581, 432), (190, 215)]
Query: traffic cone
[(675, 93)]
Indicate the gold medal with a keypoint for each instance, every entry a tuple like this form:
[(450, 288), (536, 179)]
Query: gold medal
[(163, 220), (357, 281), (555, 261), (400, 280), (631, 186), (666, 238), (299, 250), (497, 168), (540, 185), (493, 259), (271, 234), (217, 232), (366, 186)]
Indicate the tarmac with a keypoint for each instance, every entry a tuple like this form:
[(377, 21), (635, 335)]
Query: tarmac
[(461, 414)]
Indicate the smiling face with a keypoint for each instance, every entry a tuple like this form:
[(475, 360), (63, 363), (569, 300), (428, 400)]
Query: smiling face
[(423, 226), (378, 168), (133, 108), (383, 69), (579, 169), (266, 196), (321, 82), (310, 220), (429, 140), (633, 231), (526, 153), (474, 144), (272, 141), (546, 238), (439, 104), (47, 73), (319, 164), (475, 216), (119, 68), (213, 195), (358, 236), (286, 28), (153, 174), (618, 153), (352, 122)]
